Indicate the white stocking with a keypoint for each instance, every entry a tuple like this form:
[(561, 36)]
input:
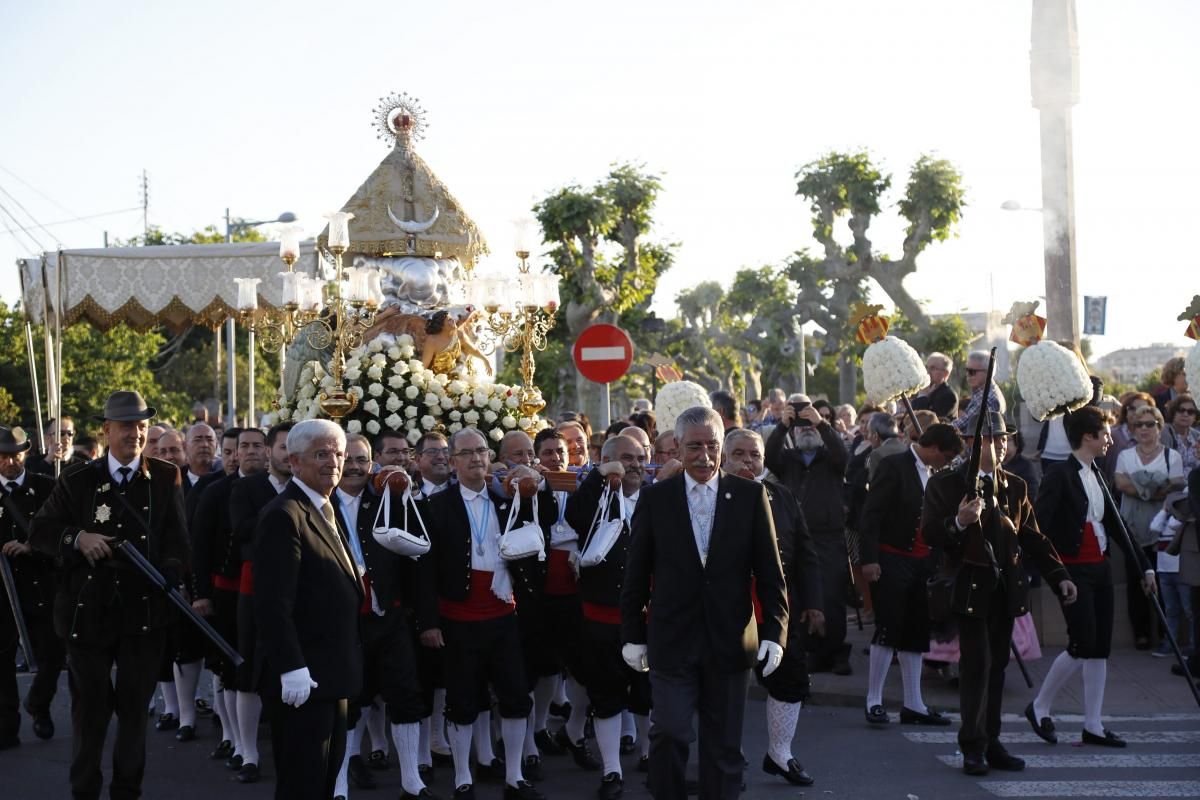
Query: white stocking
[(781, 727), (608, 739), (424, 756), (543, 693), (233, 733), (512, 732), (460, 748), (880, 662), (529, 748), (186, 678), (910, 673), (484, 752), (407, 737), (170, 699), (376, 725), (341, 787), (354, 737), (218, 705), (642, 723), (627, 728), (578, 698), (437, 724), (1061, 671), (1095, 674), (249, 710)]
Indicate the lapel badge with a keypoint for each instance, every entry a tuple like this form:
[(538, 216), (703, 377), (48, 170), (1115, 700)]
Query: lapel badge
[(104, 487), (728, 496), (503, 506), (1, 512), (103, 513)]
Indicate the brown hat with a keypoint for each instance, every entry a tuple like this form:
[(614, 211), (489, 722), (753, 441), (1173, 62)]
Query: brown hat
[(126, 407), (994, 424), (13, 440)]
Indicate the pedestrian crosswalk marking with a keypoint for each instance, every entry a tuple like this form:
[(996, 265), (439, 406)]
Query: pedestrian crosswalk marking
[(1128, 761), (1064, 737), (1078, 718), (1093, 788)]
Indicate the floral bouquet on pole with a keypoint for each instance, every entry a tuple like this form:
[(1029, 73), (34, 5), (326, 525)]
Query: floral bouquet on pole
[(1053, 380), (1191, 366), (891, 368), (676, 397)]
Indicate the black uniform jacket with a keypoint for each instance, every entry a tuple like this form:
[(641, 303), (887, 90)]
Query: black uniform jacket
[(35, 573), (1007, 525), (1062, 507), (892, 511), (306, 597), (95, 603), (385, 569), (801, 566), (215, 551), (248, 498), (696, 609), (445, 571)]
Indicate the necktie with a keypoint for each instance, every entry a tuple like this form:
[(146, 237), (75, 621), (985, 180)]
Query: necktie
[(327, 512), (12, 487), (702, 518), (125, 472)]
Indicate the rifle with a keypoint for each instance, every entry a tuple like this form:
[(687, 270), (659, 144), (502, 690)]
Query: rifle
[(10, 586), (152, 574)]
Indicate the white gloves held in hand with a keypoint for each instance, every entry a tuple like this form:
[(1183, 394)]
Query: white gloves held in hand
[(297, 686), (771, 654), (635, 657)]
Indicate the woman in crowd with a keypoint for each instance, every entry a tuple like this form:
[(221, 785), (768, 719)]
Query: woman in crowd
[(1174, 382), (1180, 433), (1145, 474)]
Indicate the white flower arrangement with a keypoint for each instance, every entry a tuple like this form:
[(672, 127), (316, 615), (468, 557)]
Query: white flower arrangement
[(1052, 380), (892, 368), (1191, 369), (393, 421), (676, 397), (372, 427)]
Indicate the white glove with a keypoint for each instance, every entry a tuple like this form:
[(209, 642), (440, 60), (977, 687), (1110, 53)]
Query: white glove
[(297, 686), (773, 654), (635, 657)]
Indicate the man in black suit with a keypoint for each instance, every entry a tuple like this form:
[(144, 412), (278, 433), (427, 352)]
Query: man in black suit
[(390, 669), (898, 561), (201, 445), (698, 539), (229, 466), (307, 594), (467, 602), (985, 541), (56, 448), (938, 397), (22, 494), (105, 609), (1076, 513), (788, 687)]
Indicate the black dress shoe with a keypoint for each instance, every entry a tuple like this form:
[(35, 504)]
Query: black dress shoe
[(974, 764), (643, 764), (224, 750), (1109, 739), (441, 759), (464, 792), (493, 771), (546, 744), (531, 768), (794, 774), (359, 775), (202, 707), (930, 717), (628, 745), (185, 733), (43, 725), (424, 794), (377, 760), (1043, 727), (562, 712), (1178, 670), (247, 774), (166, 722), (234, 763), (9, 742), (425, 772), (524, 790), (877, 716), (612, 786), (578, 750), (999, 758)]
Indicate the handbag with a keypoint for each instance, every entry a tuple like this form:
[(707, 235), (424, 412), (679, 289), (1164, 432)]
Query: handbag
[(399, 540), (603, 534), (524, 540)]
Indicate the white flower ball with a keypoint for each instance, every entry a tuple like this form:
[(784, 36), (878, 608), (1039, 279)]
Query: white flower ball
[(375, 373), (393, 421), (1052, 378), (414, 436), (396, 381), (393, 403), (446, 402), (411, 392), (454, 426), (353, 426), (375, 389), (471, 417), (393, 353), (410, 411), (430, 399), (371, 407), (353, 374), (490, 416), (372, 426), (892, 368), (427, 422), (496, 434), (509, 421), (1191, 369), (511, 401), (375, 346), (676, 397), (357, 391)]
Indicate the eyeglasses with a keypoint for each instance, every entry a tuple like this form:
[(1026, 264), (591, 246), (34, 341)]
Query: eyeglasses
[(435, 451), (975, 370), (1185, 411), (66, 432), (1145, 424), (396, 451), (478, 451)]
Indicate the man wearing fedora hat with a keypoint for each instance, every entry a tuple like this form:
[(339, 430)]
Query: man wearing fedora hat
[(107, 612), (984, 541), (21, 493)]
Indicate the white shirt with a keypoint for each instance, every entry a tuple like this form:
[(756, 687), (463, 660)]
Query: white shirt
[(562, 535), (1057, 448), (482, 511), (1095, 510), (702, 506), (192, 478), (19, 480), (631, 502), (280, 483), (350, 504), (429, 488), (114, 466), (922, 467)]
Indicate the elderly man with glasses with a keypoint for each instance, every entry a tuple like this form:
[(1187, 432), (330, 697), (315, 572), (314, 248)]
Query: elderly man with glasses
[(938, 397), (977, 364), (59, 446)]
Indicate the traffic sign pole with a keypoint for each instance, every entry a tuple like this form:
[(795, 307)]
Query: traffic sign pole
[(602, 354)]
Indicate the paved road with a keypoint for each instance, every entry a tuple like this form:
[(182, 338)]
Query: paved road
[(848, 759)]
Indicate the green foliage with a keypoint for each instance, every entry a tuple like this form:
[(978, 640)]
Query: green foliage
[(841, 182), (9, 410), (934, 195)]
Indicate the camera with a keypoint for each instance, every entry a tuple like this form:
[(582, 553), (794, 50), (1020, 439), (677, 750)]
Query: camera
[(798, 407)]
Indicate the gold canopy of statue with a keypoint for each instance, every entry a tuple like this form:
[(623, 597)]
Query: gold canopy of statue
[(402, 208)]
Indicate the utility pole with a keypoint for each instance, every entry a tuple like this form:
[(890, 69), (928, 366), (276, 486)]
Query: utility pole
[(145, 205), (1054, 83)]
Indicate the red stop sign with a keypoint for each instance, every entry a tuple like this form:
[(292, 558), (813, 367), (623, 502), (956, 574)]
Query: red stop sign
[(602, 353)]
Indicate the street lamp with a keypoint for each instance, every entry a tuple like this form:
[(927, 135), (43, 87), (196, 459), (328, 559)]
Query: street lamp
[(1015, 205), (231, 373)]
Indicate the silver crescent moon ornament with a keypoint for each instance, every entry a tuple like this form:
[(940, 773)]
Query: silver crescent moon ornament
[(412, 226)]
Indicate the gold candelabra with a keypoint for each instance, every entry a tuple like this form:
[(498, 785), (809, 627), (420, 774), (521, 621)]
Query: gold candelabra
[(522, 323)]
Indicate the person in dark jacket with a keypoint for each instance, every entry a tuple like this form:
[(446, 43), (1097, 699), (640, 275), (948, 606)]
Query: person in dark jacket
[(938, 397), (809, 457), (108, 613), (985, 541)]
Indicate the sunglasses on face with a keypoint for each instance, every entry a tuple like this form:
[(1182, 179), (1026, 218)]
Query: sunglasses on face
[(975, 370), (1185, 411), (1145, 425)]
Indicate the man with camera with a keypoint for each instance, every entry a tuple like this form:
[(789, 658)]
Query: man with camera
[(808, 456)]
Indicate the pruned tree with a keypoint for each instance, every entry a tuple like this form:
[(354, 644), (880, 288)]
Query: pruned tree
[(849, 186), (598, 247)]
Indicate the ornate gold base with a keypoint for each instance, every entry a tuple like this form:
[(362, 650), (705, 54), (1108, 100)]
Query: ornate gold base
[(337, 404)]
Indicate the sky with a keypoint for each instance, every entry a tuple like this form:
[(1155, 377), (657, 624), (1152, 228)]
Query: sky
[(267, 107)]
